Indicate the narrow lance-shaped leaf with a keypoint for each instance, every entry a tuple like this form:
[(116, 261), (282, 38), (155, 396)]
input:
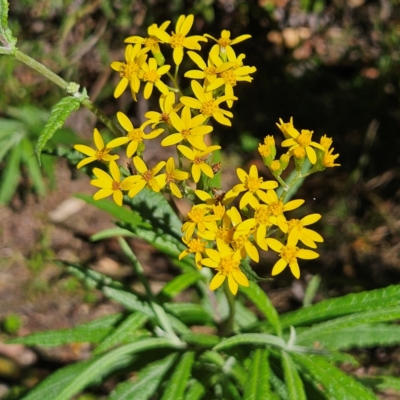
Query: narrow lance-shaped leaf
[(257, 339), (60, 112), (6, 37), (293, 381), (10, 176), (257, 387)]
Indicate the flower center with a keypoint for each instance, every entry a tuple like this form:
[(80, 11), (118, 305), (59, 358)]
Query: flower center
[(135, 135), (225, 234), (129, 70), (240, 241), (151, 43), (164, 117), (299, 152), (198, 160), (177, 40), (262, 215), (115, 186), (227, 264), (151, 76), (229, 77), (100, 154), (304, 139), (169, 178), (210, 71), (289, 253), (196, 246), (253, 183), (208, 108), (223, 42), (196, 214), (185, 133), (295, 224), (276, 208)]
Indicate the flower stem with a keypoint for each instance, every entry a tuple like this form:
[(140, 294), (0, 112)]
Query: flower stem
[(227, 327)]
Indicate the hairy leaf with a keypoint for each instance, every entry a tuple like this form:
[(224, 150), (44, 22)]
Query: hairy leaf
[(293, 381), (10, 176), (7, 39), (196, 390), (180, 283), (252, 339)]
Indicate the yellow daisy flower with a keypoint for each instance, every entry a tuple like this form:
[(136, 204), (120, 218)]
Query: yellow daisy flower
[(145, 178), (289, 254), (196, 246), (287, 128), (305, 235), (172, 175), (109, 184), (253, 186), (150, 43), (225, 42), (207, 104), (151, 75), (198, 217), (101, 152), (130, 70), (199, 164), (167, 106), (227, 263), (178, 40), (188, 128), (134, 135), (328, 160)]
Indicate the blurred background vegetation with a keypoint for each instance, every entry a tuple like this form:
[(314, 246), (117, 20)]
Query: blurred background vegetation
[(334, 65)]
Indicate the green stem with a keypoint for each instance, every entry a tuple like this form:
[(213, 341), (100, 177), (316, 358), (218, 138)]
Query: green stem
[(227, 327)]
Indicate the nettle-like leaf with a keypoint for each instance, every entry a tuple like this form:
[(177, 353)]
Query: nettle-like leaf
[(349, 304), (59, 113), (331, 381), (258, 339), (293, 381), (92, 332), (147, 382), (6, 37)]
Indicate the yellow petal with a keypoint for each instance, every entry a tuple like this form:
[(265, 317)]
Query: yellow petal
[(233, 286), (217, 281), (279, 266), (124, 121)]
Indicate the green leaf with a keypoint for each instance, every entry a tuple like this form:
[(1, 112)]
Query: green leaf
[(256, 339), (331, 381), (255, 294), (11, 134), (381, 383), (257, 386), (178, 284), (6, 37), (147, 382), (60, 112), (10, 176), (196, 390), (106, 363), (175, 387), (293, 381), (201, 339), (115, 210), (361, 318), (110, 233), (189, 313), (357, 336), (33, 169), (123, 332), (92, 332), (244, 317), (311, 290), (349, 304)]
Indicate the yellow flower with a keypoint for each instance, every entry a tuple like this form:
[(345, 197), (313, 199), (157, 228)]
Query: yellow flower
[(178, 39), (208, 71), (101, 152), (145, 178), (225, 42), (152, 75), (134, 135), (190, 129), (151, 42), (109, 185), (287, 128), (198, 217), (289, 254), (254, 186), (305, 235), (199, 165), (328, 160), (167, 106), (223, 198), (196, 246), (207, 105), (301, 141), (227, 263), (228, 76), (130, 70), (172, 175)]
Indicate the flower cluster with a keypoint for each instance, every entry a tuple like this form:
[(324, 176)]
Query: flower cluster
[(222, 228)]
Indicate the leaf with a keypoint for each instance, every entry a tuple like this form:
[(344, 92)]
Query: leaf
[(357, 336), (10, 176), (178, 284), (257, 386), (196, 390), (255, 294), (147, 382), (348, 321), (331, 381), (175, 387), (311, 290), (244, 318), (200, 339), (6, 37), (122, 332), (92, 332), (107, 362), (293, 381), (115, 210), (252, 339), (59, 113), (189, 313), (349, 304), (110, 233), (381, 382)]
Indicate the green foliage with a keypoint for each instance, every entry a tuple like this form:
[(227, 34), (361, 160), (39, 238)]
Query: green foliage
[(11, 323), (7, 39)]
